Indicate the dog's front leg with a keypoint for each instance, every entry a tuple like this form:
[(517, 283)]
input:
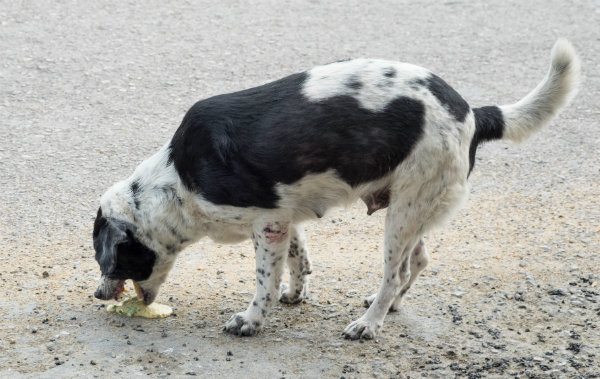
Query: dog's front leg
[(271, 243)]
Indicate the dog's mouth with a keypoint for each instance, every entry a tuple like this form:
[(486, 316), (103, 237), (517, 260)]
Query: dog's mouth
[(139, 291), (119, 290), (113, 289)]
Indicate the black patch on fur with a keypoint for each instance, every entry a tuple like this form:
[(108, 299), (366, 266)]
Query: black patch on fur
[(417, 84), (448, 97), (354, 83), (134, 261), (390, 72), (98, 223), (120, 255), (489, 125), (234, 148), (135, 190)]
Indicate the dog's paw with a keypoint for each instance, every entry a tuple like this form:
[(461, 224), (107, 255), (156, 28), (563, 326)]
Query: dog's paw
[(291, 297), (369, 300), (361, 328), (241, 325)]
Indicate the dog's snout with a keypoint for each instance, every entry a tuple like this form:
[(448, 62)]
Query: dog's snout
[(98, 294)]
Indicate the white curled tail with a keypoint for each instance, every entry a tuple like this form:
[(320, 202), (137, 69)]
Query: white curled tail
[(535, 110)]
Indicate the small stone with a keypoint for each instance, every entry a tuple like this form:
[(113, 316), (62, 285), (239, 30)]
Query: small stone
[(59, 297), (522, 264), (93, 362), (45, 274), (581, 255), (458, 294), (34, 330)]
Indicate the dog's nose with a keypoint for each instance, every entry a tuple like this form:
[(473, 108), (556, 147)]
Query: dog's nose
[(98, 294)]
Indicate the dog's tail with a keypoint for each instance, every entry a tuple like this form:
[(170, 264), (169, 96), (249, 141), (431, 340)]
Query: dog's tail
[(517, 122)]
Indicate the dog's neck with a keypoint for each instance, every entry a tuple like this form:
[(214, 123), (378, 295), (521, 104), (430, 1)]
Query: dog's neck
[(153, 199)]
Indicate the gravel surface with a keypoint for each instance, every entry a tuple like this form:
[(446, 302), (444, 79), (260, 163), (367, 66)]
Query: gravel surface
[(90, 89)]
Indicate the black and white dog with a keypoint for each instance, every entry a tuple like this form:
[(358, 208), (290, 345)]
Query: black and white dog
[(257, 163)]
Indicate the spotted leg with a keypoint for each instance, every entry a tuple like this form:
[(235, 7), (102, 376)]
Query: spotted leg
[(300, 267), (419, 260), (271, 243), (403, 230)]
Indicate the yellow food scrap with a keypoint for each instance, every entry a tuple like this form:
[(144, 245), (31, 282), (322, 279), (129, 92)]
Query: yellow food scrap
[(132, 306)]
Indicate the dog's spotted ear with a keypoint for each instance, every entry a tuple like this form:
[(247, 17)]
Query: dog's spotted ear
[(108, 234)]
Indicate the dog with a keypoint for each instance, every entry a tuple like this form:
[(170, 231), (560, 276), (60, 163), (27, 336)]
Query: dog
[(259, 162)]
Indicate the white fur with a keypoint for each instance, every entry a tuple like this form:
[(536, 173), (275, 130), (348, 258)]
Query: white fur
[(542, 104), (376, 91)]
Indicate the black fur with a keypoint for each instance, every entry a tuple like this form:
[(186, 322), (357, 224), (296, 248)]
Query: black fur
[(489, 125), (448, 97), (390, 72), (134, 261), (135, 190), (120, 255), (234, 148), (354, 83)]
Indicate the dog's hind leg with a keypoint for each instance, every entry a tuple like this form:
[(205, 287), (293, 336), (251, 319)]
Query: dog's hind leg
[(300, 267), (419, 260), (404, 227)]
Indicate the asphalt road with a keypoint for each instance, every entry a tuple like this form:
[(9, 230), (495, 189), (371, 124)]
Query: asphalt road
[(90, 89)]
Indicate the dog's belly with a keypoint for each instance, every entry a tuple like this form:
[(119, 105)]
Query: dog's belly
[(230, 234), (314, 194)]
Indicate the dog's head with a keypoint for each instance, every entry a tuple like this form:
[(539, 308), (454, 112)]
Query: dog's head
[(120, 253)]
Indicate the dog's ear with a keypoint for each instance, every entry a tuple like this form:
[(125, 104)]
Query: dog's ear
[(107, 235)]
